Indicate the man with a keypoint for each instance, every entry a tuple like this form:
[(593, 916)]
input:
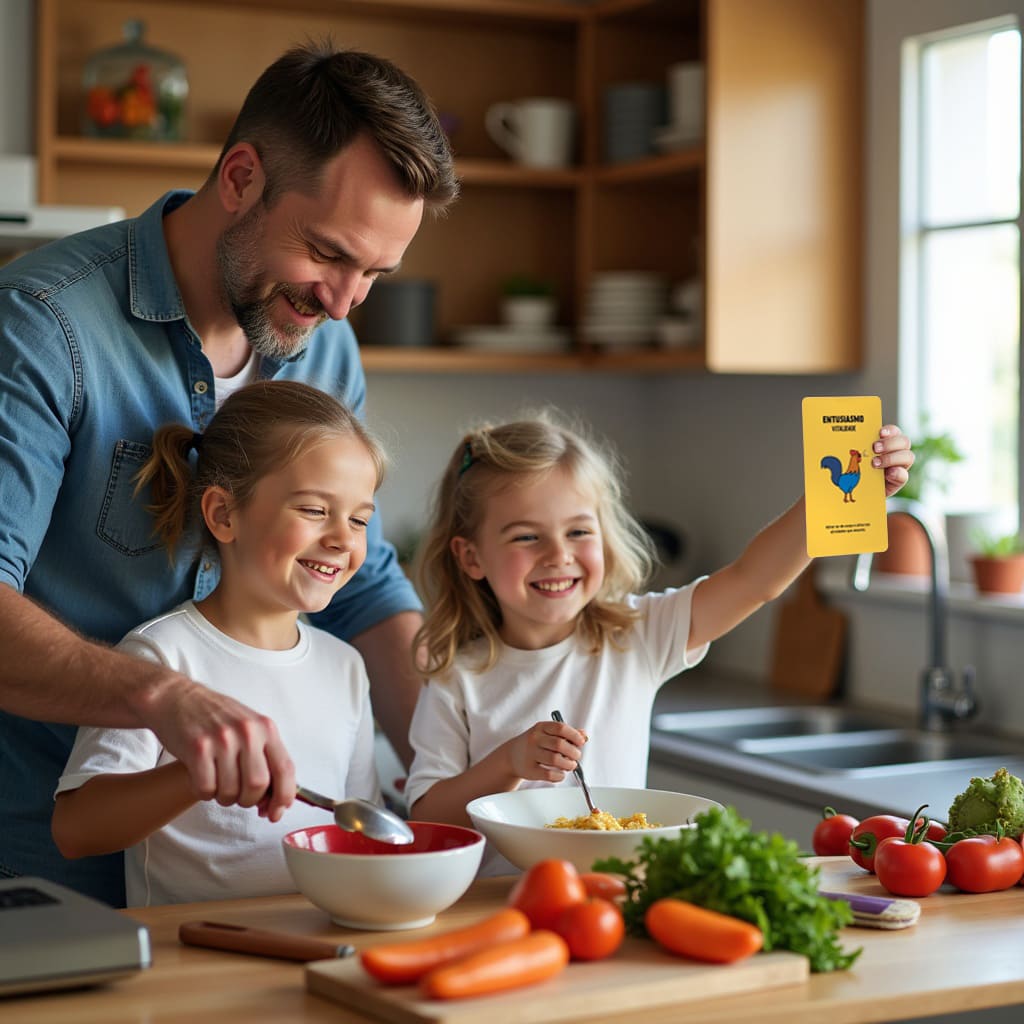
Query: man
[(319, 189)]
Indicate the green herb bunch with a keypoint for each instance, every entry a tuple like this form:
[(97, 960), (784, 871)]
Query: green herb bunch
[(722, 865)]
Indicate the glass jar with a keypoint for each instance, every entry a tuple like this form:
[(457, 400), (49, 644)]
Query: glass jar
[(133, 91)]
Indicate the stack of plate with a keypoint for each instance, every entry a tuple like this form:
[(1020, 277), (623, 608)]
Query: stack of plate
[(624, 307), (511, 338)]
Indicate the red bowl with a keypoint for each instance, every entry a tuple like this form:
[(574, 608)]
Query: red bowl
[(363, 883), (428, 837)]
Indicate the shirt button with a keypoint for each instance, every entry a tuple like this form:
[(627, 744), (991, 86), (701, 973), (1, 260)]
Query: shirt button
[(207, 566), (200, 387)]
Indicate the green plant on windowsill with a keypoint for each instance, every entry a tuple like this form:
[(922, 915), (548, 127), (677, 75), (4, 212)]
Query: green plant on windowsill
[(1007, 545), (933, 454), (998, 564)]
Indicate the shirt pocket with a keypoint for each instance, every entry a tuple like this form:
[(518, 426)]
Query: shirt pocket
[(124, 522)]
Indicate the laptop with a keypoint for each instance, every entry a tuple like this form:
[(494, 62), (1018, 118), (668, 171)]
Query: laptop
[(52, 937)]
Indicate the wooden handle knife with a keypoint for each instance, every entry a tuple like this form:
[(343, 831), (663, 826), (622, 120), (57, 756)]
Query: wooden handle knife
[(260, 942)]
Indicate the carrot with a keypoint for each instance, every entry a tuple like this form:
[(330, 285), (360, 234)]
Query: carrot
[(608, 887), (526, 961), (702, 934), (401, 963)]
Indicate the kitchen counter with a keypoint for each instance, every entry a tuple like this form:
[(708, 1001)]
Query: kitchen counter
[(963, 954), (891, 789)]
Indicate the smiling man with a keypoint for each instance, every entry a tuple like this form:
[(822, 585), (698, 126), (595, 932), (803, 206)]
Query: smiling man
[(319, 189)]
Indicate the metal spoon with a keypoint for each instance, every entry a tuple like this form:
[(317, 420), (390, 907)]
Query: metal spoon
[(355, 815), (578, 772)]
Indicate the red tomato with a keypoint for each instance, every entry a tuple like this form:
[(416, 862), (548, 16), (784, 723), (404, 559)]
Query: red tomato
[(832, 834), (592, 929), (543, 892), (985, 864), (936, 832), (909, 868), (608, 887), (870, 832)]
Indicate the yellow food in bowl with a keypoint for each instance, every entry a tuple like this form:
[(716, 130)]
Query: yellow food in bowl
[(602, 821)]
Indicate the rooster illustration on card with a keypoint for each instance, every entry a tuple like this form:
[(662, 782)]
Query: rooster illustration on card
[(845, 479)]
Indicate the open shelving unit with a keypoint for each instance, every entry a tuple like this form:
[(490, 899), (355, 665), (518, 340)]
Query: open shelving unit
[(564, 225)]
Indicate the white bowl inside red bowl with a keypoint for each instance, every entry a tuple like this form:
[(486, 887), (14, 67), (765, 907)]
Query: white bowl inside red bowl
[(363, 883)]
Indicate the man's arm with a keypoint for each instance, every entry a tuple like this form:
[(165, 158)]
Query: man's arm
[(53, 675), (394, 683)]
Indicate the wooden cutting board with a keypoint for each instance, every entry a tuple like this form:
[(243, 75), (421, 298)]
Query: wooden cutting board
[(639, 975), (810, 640)]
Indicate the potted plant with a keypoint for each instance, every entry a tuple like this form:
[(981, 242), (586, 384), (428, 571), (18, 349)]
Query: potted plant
[(527, 301), (999, 563), (908, 548)]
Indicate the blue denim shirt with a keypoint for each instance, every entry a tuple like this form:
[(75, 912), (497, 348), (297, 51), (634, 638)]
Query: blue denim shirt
[(95, 353)]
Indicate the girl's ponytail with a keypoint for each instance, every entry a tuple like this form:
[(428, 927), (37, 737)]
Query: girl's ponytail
[(169, 476)]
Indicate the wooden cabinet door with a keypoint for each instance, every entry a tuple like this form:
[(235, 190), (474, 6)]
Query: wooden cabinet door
[(784, 185)]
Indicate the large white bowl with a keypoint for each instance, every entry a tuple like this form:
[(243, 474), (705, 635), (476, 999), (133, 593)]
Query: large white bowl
[(514, 822), (362, 883)]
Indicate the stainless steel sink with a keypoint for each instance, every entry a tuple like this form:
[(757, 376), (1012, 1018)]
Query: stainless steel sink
[(825, 739), (861, 751), (736, 724)]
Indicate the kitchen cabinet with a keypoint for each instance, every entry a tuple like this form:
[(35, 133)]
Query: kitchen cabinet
[(766, 213)]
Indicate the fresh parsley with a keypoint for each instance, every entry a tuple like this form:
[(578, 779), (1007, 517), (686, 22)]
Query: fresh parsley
[(722, 865)]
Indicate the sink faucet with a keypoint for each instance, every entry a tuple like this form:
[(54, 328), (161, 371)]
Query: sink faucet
[(943, 699)]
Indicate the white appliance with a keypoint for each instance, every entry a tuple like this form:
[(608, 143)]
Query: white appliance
[(24, 223)]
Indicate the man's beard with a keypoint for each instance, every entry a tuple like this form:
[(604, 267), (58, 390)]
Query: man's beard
[(239, 250)]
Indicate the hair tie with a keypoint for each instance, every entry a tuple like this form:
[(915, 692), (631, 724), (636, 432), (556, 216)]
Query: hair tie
[(197, 440), (467, 457)]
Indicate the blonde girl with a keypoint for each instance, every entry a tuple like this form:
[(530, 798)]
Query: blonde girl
[(282, 482), (532, 572)]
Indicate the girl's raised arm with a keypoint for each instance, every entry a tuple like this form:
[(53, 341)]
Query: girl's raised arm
[(778, 554)]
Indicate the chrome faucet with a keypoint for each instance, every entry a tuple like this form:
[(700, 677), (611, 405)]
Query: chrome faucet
[(943, 699)]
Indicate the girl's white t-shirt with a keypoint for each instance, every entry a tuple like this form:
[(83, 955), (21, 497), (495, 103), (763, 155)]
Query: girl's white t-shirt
[(460, 719), (317, 694)]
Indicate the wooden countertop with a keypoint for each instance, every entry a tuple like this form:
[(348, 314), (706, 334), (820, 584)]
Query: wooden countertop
[(965, 953)]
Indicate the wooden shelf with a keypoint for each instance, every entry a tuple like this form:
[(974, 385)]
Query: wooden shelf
[(450, 359), (163, 155), (200, 156)]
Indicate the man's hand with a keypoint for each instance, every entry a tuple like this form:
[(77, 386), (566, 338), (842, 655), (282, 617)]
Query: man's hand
[(233, 754)]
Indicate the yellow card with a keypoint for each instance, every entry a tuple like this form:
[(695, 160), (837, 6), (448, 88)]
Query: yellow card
[(845, 494)]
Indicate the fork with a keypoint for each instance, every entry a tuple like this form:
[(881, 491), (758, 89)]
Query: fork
[(578, 771)]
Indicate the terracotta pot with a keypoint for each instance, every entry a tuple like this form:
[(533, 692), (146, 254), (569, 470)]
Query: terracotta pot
[(999, 575), (908, 553)]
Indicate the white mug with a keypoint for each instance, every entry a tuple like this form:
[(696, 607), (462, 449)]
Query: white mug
[(535, 132), (686, 96)]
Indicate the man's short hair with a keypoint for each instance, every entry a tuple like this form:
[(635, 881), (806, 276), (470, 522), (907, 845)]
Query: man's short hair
[(315, 100)]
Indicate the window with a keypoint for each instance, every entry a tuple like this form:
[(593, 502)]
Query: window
[(960, 256)]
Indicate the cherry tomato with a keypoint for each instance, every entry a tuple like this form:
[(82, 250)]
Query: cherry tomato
[(592, 929), (543, 892), (865, 838), (909, 867), (832, 834), (608, 887), (985, 863)]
